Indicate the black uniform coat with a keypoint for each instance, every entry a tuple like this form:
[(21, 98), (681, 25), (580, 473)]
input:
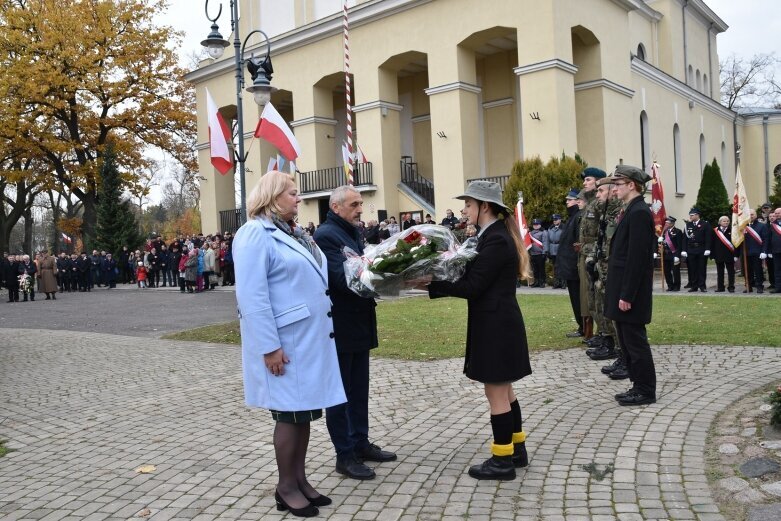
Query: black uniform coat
[(355, 320), (630, 268), (719, 252), (676, 238), (496, 348), (699, 237), (566, 257)]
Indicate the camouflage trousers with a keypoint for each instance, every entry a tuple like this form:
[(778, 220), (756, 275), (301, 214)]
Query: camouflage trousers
[(605, 325)]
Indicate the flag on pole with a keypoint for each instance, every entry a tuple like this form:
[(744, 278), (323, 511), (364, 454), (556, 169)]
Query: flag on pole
[(66, 239), (525, 235), (657, 199), (273, 129), (360, 157), (740, 210), (219, 136)]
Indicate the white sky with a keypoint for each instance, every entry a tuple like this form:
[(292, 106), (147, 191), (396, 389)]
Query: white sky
[(754, 27)]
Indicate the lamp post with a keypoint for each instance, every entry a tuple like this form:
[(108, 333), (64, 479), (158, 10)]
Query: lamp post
[(259, 68)]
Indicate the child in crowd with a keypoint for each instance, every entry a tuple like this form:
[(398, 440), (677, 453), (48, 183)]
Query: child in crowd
[(141, 274)]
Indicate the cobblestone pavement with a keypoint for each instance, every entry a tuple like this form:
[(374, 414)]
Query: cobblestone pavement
[(84, 410)]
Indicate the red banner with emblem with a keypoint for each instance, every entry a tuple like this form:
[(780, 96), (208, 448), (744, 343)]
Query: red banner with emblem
[(657, 199)]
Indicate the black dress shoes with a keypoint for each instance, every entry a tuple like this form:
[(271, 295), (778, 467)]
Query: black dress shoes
[(607, 369), (625, 393), (373, 453), (636, 398), (604, 353), (496, 467), (619, 373), (352, 468), (308, 511)]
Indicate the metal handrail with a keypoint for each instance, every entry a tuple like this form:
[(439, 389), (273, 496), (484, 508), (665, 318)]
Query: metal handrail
[(416, 182), (329, 178)]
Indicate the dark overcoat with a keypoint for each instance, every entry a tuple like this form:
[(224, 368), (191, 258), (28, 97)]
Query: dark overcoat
[(630, 268), (355, 319), (719, 251), (567, 257), (496, 347)]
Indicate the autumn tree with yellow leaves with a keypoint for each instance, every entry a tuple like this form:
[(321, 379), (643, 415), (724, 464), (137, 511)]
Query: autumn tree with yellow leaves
[(78, 74)]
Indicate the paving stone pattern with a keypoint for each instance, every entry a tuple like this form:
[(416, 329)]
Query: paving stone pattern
[(84, 410)]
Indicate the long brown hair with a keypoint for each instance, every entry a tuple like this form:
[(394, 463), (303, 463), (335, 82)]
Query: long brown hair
[(524, 262)]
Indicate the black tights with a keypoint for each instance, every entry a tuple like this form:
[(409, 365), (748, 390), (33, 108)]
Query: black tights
[(291, 441)]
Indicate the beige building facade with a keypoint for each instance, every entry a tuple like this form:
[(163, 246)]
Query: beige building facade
[(445, 91)]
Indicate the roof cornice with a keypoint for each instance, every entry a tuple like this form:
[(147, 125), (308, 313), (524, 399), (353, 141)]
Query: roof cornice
[(360, 14), (663, 79)]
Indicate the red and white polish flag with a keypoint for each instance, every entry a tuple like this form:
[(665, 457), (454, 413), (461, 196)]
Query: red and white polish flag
[(525, 235), (273, 129), (219, 135)]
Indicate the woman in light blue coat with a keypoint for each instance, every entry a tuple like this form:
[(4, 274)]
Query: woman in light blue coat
[(288, 350)]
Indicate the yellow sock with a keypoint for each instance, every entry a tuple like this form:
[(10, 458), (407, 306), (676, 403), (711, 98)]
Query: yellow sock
[(502, 450), (519, 437)]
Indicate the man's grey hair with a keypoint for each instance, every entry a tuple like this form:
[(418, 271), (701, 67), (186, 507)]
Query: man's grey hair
[(340, 194)]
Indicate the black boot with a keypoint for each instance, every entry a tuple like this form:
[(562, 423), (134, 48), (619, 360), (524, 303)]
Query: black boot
[(520, 456), (607, 369), (620, 373), (495, 467), (606, 351)]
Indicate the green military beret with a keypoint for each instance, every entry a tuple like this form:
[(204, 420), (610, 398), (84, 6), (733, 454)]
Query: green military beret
[(631, 172)]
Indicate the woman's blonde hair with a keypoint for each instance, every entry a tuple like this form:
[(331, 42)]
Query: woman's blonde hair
[(524, 262), (262, 200)]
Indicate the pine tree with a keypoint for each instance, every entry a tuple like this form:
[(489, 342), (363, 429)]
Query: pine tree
[(116, 225), (712, 198), (775, 197), (544, 185)]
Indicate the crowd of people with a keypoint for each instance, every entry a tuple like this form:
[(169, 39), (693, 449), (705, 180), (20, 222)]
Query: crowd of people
[(193, 264)]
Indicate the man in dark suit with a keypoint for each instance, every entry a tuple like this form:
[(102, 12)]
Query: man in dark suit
[(355, 333), (628, 294), (724, 254), (566, 265), (672, 245), (697, 250), (755, 239)]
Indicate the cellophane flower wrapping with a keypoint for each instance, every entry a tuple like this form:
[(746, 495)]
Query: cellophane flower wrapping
[(402, 260)]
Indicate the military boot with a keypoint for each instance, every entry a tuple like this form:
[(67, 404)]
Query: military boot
[(606, 351), (495, 467)]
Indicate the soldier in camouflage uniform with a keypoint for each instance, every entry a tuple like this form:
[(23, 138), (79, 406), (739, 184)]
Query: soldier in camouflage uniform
[(609, 208), (587, 240)]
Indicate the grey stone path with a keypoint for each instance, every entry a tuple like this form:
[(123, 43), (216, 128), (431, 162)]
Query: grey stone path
[(84, 410)]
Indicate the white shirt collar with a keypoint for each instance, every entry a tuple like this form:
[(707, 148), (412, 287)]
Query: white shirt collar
[(484, 228)]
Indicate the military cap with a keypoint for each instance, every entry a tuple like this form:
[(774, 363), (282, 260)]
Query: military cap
[(670, 219), (573, 194), (609, 180), (582, 195), (594, 172), (766, 205), (631, 172), (536, 221), (694, 210), (556, 217)]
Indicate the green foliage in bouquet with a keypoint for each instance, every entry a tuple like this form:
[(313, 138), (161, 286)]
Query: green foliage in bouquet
[(775, 403), (407, 252)]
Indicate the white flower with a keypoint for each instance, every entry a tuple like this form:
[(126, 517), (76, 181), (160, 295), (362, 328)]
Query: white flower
[(414, 249)]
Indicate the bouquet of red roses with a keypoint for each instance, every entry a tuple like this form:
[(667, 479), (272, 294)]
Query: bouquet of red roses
[(425, 251)]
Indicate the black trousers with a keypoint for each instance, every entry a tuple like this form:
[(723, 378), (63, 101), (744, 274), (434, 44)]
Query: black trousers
[(754, 272), (13, 293), (672, 274), (776, 272), (538, 268), (348, 423), (697, 264), (637, 353), (720, 275), (772, 271), (573, 288)]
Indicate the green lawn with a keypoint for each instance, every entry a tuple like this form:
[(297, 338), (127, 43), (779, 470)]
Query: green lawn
[(423, 329)]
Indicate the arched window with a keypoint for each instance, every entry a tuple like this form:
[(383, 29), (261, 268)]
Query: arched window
[(645, 147), (641, 51), (698, 80), (705, 85), (678, 163), (690, 77), (702, 154)]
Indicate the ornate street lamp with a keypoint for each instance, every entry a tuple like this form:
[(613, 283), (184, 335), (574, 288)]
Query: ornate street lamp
[(259, 68)]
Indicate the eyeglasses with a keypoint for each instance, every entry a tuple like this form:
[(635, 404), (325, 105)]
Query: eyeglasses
[(621, 183)]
